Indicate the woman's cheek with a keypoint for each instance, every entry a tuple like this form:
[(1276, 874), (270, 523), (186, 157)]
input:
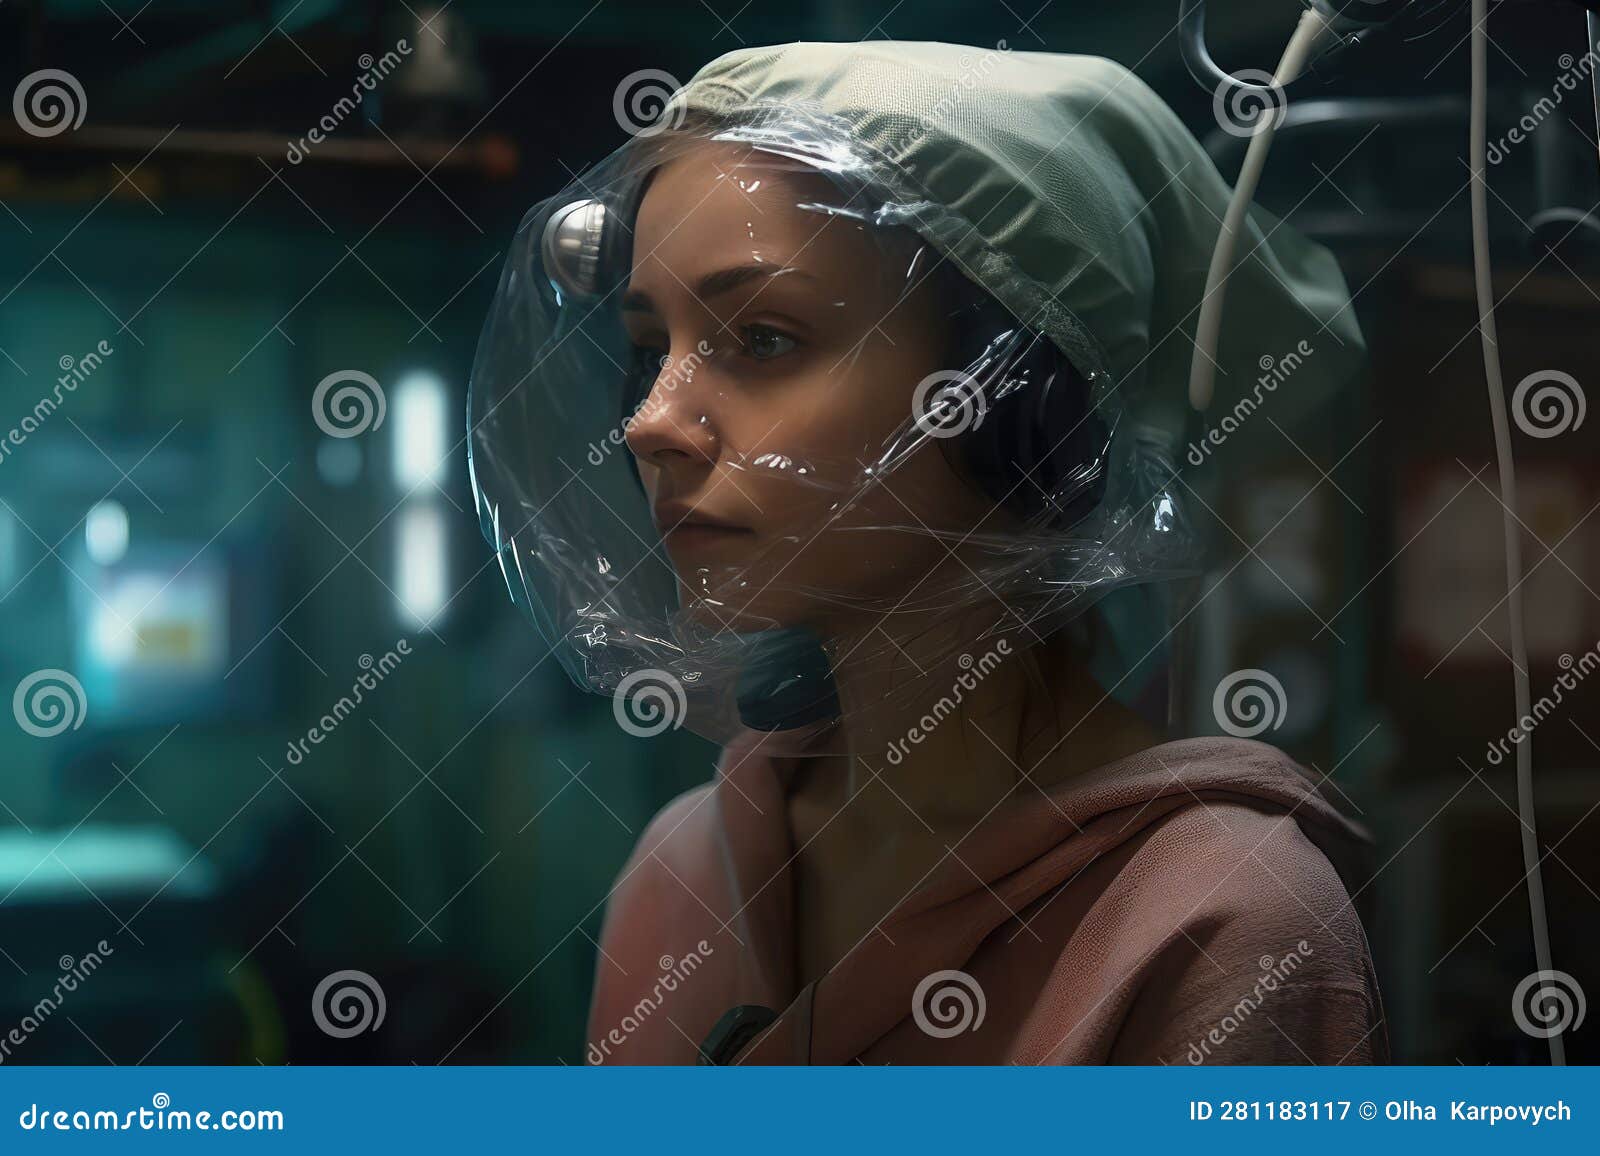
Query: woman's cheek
[(648, 477)]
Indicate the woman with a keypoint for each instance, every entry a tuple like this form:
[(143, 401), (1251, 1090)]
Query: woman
[(892, 337)]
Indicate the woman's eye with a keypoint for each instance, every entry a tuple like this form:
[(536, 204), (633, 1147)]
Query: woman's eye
[(763, 343)]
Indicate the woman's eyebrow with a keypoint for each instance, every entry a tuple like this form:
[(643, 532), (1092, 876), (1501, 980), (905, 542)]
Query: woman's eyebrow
[(717, 283)]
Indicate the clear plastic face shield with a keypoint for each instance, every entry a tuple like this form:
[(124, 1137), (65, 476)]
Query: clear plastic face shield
[(742, 435)]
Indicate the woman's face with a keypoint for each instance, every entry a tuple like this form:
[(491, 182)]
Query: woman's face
[(815, 352)]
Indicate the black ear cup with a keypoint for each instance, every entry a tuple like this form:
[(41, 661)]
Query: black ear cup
[(787, 682), (1034, 444)]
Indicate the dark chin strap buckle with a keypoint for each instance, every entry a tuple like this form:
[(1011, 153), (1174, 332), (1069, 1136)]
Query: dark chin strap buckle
[(786, 682), (737, 1027)]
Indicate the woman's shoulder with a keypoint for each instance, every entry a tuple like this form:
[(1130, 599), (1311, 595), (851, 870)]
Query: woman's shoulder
[(1236, 812), (1230, 841), (1237, 856), (671, 871), (1244, 835), (1238, 909), (1218, 933), (675, 841), (658, 926)]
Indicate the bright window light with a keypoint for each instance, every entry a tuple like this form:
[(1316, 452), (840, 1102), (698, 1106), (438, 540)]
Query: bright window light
[(421, 563), (420, 430), (105, 533)]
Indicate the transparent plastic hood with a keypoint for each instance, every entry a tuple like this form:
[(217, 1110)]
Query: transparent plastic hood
[(738, 420)]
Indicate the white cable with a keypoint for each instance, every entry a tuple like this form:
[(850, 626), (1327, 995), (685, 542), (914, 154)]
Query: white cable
[(1308, 35), (1508, 494)]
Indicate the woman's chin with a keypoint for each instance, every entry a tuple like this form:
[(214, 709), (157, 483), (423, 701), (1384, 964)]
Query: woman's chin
[(714, 612)]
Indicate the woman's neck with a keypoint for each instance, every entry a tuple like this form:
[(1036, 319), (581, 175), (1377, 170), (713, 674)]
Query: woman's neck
[(933, 741), (953, 714)]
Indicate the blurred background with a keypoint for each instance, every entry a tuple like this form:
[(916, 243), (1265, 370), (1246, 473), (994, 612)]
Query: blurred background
[(217, 569)]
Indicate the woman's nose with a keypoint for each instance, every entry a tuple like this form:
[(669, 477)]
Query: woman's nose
[(674, 421)]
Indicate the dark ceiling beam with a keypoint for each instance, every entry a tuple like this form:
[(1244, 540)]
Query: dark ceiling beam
[(220, 49)]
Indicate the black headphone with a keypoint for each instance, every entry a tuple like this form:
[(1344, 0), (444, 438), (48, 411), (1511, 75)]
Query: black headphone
[(1032, 441)]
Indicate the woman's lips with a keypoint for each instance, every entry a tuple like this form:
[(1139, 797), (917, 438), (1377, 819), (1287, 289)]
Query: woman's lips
[(685, 528), (703, 535)]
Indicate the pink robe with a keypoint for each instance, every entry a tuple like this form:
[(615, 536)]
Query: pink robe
[(1179, 905)]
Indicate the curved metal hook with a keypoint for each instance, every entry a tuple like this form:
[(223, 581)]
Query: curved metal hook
[(1344, 16)]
